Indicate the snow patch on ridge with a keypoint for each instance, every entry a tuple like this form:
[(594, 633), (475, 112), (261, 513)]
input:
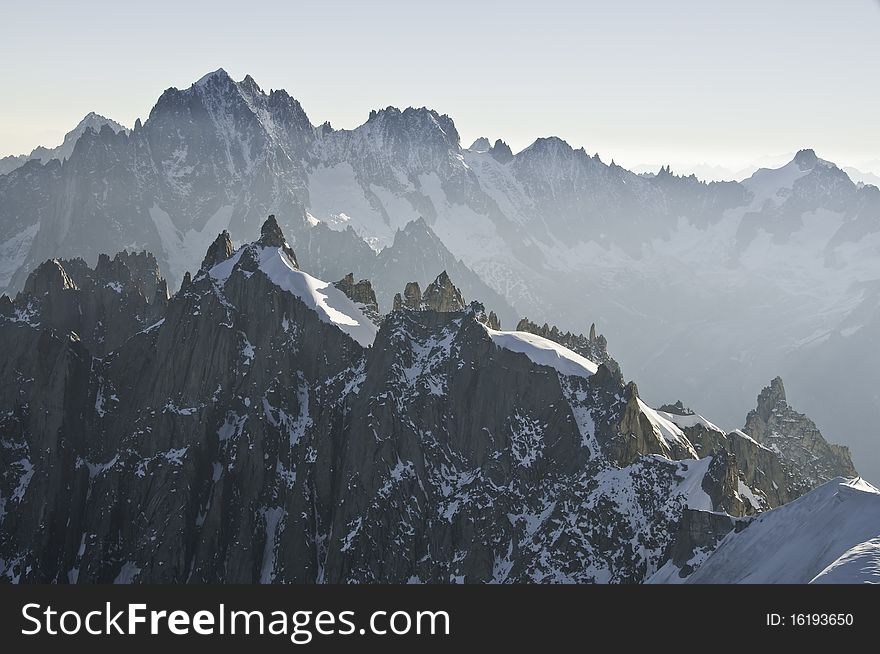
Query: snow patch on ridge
[(332, 305), (689, 421), (859, 565), (666, 430), (544, 352)]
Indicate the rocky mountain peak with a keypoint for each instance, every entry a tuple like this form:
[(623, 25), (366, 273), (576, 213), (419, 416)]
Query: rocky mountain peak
[(771, 397), (250, 85), (96, 122), (778, 426), (414, 229), (552, 146), (481, 145), (806, 159), (272, 236), (501, 151), (219, 76), (418, 127), (361, 292), (49, 277), (103, 306), (220, 250), (92, 122), (442, 295), (411, 298)]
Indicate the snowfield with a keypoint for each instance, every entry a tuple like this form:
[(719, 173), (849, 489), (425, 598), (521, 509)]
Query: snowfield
[(830, 535)]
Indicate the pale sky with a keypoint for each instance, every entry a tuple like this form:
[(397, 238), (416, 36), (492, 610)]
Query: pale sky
[(718, 81)]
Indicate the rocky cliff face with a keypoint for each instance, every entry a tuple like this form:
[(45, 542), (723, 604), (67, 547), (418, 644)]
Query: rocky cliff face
[(271, 433), (777, 476), (778, 426), (258, 426), (102, 307)]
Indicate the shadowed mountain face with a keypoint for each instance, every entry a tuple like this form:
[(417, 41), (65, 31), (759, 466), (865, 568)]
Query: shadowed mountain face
[(279, 428), (707, 290)]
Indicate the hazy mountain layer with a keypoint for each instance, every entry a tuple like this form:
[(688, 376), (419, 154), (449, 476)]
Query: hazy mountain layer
[(705, 290)]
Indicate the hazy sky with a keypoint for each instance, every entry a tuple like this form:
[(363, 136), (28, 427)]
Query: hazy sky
[(722, 81)]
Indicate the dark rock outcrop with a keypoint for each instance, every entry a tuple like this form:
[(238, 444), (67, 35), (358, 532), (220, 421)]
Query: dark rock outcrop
[(362, 293), (220, 250), (699, 533), (103, 306), (677, 408), (442, 296), (272, 236), (501, 151), (258, 442), (411, 298), (776, 425)]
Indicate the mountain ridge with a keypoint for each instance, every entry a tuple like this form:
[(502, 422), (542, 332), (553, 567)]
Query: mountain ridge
[(669, 265), (276, 433)]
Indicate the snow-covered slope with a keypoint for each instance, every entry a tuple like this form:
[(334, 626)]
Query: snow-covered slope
[(859, 565), (690, 421), (666, 429), (331, 304), (775, 184), (828, 535), (544, 352)]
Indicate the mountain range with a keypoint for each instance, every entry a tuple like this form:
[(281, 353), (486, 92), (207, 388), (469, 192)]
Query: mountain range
[(280, 428), (92, 121), (706, 290)]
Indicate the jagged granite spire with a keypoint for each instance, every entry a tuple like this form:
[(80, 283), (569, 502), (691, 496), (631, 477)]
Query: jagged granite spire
[(104, 306), (442, 295), (272, 236), (220, 250), (770, 398), (775, 424), (361, 292), (411, 298), (593, 347)]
